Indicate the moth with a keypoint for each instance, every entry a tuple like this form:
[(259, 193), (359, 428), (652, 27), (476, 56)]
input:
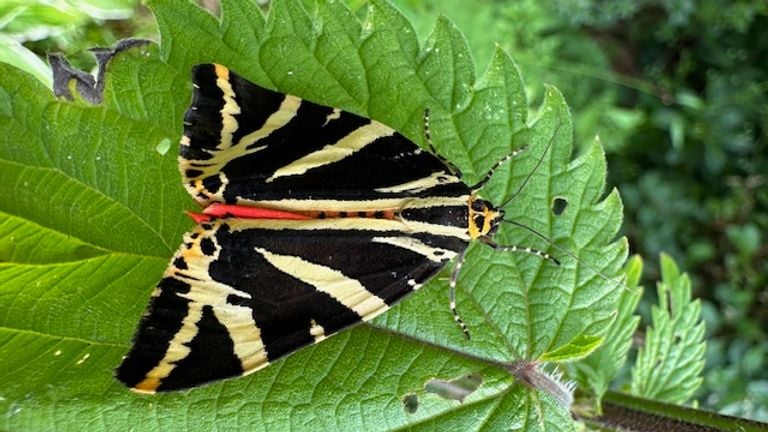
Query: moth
[(314, 219)]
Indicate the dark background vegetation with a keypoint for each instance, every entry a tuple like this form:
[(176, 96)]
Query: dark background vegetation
[(677, 92)]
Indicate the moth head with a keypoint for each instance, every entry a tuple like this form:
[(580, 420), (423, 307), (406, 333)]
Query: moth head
[(484, 218)]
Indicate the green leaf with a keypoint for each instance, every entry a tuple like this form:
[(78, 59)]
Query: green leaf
[(596, 372), (669, 364), (13, 52), (580, 347), (93, 184)]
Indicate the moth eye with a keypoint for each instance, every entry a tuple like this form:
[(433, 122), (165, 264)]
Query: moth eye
[(478, 205)]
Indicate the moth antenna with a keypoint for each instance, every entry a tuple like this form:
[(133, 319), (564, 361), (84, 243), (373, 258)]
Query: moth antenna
[(519, 249), (538, 234), (452, 293), (566, 252), (488, 175), (428, 138), (533, 171), (427, 134)]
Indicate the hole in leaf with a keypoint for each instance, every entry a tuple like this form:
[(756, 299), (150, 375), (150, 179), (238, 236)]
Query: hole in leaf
[(410, 403), (670, 303), (558, 206), (457, 389)]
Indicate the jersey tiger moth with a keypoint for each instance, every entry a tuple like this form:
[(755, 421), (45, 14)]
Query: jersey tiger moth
[(314, 219)]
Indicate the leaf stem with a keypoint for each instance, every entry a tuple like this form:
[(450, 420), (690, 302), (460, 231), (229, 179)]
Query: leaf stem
[(623, 412)]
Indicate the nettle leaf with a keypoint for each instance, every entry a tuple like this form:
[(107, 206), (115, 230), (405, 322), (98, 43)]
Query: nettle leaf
[(596, 372), (669, 364), (97, 211)]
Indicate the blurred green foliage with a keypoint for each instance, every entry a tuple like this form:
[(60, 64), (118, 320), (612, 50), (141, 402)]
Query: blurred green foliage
[(693, 170), (67, 26), (677, 91)]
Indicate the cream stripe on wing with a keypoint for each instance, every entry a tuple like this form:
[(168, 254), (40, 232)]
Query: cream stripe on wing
[(229, 110), (335, 152), (434, 179), (245, 335), (278, 119), (177, 350), (203, 291), (317, 331), (417, 246), (289, 204), (275, 121), (347, 291), (359, 224), (335, 115), (207, 293)]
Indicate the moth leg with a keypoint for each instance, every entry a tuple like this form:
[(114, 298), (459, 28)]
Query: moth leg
[(520, 249), (496, 166), (428, 138), (452, 293)]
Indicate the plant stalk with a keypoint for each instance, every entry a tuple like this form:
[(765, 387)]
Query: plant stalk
[(626, 413)]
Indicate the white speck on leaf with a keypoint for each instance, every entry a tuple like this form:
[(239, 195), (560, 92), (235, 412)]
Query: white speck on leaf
[(163, 146)]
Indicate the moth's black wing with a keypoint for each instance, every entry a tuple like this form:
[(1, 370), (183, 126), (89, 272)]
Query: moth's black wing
[(243, 144), (241, 293)]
